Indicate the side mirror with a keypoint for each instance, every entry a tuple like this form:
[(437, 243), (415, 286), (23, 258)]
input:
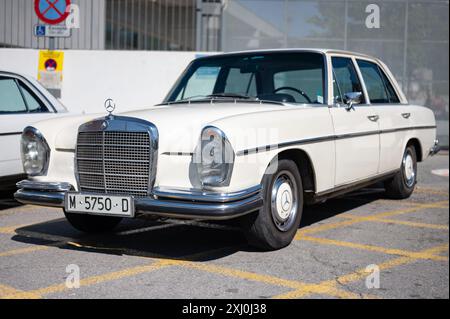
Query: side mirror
[(352, 98)]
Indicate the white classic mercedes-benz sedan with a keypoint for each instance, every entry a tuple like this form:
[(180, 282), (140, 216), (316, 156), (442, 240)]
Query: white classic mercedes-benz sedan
[(251, 135)]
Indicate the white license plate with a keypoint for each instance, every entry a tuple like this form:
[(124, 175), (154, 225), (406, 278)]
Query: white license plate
[(107, 205)]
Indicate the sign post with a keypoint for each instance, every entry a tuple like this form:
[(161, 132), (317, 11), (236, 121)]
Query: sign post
[(52, 13)]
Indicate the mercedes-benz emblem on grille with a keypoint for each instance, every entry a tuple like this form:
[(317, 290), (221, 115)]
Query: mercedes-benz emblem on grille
[(110, 106)]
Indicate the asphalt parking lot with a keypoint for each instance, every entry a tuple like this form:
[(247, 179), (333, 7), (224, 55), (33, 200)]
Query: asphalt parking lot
[(407, 240)]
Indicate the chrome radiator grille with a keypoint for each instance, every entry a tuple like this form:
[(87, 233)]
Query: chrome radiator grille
[(113, 162)]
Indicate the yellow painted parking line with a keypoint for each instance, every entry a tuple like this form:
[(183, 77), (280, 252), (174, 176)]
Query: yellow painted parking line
[(21, 251), (389, 251), (10, 291), (9, 230), (433, 191), (361, 273), (324, 227), (96, 279), (401, 222), (271, 280)]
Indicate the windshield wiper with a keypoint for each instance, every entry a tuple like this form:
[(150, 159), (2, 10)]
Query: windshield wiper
[(231, 95)]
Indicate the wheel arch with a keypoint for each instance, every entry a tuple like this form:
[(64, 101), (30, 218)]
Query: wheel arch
[(305, 166), (415, 142)]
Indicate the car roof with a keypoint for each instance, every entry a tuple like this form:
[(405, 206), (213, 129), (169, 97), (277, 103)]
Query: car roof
[(293, 50)]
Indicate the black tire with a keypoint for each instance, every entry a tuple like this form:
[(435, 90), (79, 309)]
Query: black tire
[(91, 224), (400, 186), (261, 228)]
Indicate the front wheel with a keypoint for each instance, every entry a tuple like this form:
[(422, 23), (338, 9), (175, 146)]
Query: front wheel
[(277, 222), (402, 185), (91, 224)]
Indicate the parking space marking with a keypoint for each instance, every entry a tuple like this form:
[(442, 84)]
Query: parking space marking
[(324, 227), (21, 251), (432, 191), (9, 230), (389, 251), (361, 273), (95, 279), (10, 291), (401, 222), (271, 280)]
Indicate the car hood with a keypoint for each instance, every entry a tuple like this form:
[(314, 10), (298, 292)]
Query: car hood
[(179, 125)]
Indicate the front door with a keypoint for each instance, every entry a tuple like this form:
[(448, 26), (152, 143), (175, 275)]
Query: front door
[(356, 130)]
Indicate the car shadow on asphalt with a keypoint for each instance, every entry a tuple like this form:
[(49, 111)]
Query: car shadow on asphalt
[(163, 239), (7, 200)]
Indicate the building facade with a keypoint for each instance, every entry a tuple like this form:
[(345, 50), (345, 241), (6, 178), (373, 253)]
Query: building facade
[(412, 36)]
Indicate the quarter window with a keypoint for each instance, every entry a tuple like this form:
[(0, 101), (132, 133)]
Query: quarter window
[(345, 78), (32, 102), (378, 86), (11, 100)]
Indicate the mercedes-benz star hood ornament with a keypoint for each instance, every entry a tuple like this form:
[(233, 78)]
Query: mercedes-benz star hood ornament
[(110, 106)]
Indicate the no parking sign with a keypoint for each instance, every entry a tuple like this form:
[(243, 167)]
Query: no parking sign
[(50, 72), (52, 11)]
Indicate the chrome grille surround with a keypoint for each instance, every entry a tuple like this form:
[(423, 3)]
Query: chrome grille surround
[(116, 155)]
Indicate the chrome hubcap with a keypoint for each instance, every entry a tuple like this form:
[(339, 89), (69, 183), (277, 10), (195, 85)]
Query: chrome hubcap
[(409, 169), (284, 200)]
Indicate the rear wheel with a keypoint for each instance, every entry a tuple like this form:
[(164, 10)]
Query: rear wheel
[(276, 224), (402, 185), (92, 224)]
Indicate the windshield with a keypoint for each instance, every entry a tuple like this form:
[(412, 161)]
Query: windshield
[(279, 76)]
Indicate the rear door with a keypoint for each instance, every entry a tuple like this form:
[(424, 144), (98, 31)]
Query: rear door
[(19, 107), (394, 116), (356, 130)]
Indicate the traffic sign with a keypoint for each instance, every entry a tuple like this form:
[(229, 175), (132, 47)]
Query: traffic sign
[(56, 31), (51, 11)]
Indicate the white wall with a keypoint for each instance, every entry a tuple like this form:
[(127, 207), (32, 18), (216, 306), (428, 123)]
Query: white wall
[(134, 79)]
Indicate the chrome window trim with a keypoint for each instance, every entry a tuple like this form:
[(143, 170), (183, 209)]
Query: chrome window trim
[(124, 124)]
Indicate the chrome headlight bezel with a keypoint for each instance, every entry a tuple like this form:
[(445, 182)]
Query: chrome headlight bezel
[(39, 165), (214, 168)]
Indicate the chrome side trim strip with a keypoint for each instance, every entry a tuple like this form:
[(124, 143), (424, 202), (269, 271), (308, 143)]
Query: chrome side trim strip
[(10, 133), (347, 188), (66, 150), (327, 139), (204, 196)]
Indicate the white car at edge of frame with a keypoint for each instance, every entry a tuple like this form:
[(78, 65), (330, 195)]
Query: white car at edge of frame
[(252, 136), (23, 101)]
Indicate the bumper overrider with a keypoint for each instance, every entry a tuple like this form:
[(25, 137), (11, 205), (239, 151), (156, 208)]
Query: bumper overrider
[(177, 203)]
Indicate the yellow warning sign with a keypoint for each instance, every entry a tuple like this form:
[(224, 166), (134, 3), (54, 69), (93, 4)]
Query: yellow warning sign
[(50, 69)]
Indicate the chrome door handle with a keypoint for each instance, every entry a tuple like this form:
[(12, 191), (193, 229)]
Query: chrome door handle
[(373, 118), (406, 115)]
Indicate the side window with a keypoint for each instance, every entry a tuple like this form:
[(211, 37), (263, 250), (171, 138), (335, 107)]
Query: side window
[(11, 100), (201, 83), (308, 81), (34, 104), (345, 78), (393, 97), (241, 83), (378, 86)]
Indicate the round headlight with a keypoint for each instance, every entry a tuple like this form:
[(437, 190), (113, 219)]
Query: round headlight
[(35, 152), (214, 158)]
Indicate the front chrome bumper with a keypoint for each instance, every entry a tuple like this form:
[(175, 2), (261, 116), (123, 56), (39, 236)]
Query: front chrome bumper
[(435, 149), (177, 203)]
